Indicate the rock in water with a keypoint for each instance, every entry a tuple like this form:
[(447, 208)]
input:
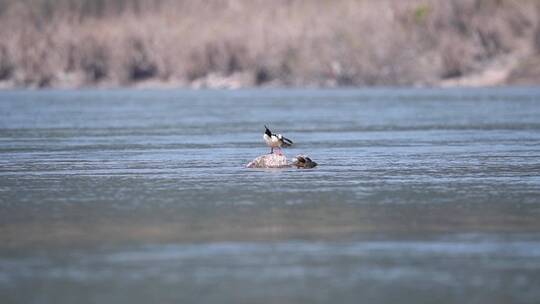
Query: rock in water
[(269, 161)]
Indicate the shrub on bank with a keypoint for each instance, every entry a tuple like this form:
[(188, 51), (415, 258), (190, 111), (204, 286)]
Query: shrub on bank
[(327, 43)]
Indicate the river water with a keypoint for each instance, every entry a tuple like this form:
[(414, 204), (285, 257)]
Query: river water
[(142, 196)]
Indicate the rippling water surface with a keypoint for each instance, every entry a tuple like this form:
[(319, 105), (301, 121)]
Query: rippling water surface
[(130, 196)]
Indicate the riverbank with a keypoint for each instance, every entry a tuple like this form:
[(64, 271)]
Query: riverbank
[(234, 44)]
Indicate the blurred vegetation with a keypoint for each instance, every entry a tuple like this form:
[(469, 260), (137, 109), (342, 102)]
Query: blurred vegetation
[(284, 42), (421, 13)]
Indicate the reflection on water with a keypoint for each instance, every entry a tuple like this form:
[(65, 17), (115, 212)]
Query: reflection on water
[(142, 196)]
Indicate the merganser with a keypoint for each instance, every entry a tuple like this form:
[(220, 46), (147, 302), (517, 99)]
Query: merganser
[(275, 140), (304, 162)]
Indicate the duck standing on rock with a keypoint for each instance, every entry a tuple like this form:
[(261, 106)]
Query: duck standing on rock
[(275, 141)]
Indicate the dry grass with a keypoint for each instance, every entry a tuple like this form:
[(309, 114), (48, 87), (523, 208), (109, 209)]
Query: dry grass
[(289, 42)]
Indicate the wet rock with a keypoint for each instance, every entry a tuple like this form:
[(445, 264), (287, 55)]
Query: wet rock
[(269, 161), (280, 161)]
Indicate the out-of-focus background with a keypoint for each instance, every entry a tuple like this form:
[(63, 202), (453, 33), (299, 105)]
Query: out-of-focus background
[(232, 43), (120, 183)]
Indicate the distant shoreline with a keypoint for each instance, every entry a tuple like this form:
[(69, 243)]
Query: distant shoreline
[(496, 76), (242, 44)]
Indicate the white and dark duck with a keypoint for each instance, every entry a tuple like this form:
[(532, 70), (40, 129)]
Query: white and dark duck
[(275, 141), (304, 162)]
